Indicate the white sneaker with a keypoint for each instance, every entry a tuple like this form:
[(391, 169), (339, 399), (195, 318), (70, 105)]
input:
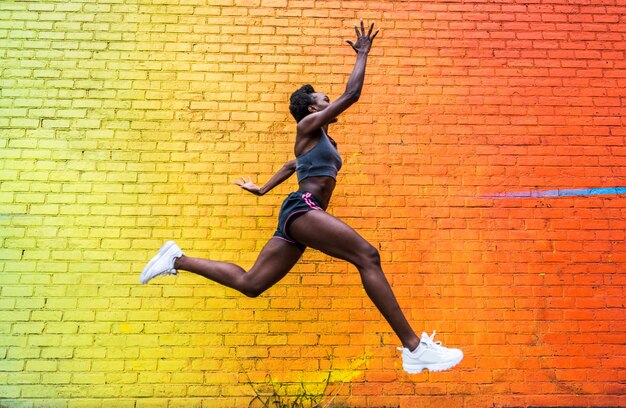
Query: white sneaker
[(430, 355), (162, 263)]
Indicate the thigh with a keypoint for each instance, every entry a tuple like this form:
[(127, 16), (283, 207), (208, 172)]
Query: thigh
[(320, 230), (275, 260)]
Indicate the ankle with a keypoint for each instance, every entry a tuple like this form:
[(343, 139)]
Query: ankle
[(178, 262), (412, 345)]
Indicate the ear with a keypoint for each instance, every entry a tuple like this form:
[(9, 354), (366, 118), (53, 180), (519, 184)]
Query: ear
[(312, 108)]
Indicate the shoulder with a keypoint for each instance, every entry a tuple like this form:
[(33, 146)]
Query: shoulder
[(308, 133), (311, 124)]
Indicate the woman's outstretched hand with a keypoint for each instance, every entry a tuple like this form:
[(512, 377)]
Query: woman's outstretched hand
[(248, 185), (363, 41)]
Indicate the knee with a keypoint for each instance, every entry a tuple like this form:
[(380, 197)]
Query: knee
[(252, 290), (368, 258), (252, 293)]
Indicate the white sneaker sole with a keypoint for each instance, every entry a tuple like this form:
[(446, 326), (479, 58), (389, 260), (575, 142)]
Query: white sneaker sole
[(145, 274), (418, 368)]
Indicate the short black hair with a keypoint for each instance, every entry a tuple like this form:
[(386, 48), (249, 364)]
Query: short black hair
[(300, 101)]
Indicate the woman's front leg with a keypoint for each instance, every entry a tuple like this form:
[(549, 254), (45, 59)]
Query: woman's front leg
[(322, 231)]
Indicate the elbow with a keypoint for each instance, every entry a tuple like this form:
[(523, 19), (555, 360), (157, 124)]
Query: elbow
[(353, 96)]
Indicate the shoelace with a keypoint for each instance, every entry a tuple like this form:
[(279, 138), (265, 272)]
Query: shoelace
[(431, 343)]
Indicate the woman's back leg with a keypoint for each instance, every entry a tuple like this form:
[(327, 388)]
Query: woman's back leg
[(275, 260)]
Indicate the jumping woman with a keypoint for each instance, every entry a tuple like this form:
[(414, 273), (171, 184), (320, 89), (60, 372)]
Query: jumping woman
[(303, 222)]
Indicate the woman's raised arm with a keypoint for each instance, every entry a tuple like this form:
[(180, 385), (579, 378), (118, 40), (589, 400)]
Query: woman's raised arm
[(354, 86)]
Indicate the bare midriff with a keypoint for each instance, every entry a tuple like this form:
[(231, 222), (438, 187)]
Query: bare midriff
[(321, 187)]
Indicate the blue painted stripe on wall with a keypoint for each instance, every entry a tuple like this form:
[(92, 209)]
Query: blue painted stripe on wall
[(577, 192)]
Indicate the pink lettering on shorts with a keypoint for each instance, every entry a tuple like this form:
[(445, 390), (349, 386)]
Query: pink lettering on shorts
[(307, 200)]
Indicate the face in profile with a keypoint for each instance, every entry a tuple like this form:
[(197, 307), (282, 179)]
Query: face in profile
[(321, 102)]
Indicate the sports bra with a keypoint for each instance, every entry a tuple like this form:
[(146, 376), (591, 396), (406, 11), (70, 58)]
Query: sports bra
[(322, 160)]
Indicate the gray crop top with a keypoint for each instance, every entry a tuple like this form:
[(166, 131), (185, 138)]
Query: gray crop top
[(322, 160)]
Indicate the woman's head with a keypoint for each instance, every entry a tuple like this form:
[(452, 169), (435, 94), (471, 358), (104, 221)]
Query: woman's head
[(305, 101)]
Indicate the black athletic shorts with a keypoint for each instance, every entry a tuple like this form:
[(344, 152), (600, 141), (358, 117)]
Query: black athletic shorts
[(295, 204)]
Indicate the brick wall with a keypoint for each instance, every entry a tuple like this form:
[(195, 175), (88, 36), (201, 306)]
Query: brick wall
[(470, 161)]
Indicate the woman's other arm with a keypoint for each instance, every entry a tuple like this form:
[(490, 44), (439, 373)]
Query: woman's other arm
[(283, 174)]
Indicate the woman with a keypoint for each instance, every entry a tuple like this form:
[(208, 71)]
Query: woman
[(303, 222)]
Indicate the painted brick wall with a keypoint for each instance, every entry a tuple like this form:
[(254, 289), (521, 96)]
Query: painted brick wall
[(125, 123)]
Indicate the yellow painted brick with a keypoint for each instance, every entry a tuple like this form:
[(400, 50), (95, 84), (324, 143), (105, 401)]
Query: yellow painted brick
[(44, 209), (41, 365), (96, 255), (143, 390), (239, 340), (187, 378), (17, 291), (127, 328), (10, 278), (88, 378), (187, 352), (38, 391), (171, 390), (93, 302), (9, 304), (56, 378), (135, 340), (124, 303), (123, 353), (23, 123), (153, 403), (24, 378), (14, 187), (12, 365), (107, 291), (95, 328), (190, 327), (46, 315), (182, 302), (51, 290), (141, 365), (17, 110), (75, 365), (108, 364), (61, 328), (77, 340), (170, 291), (114, 316), (144, 315), (153, 352), (91, 353), (30, 198), (172, 365), (157, 328), (121, 378), (57, 352)]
